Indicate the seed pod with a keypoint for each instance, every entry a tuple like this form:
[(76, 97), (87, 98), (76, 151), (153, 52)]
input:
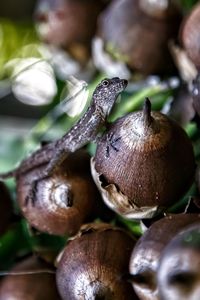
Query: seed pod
[(5, 208), (179, 272), (124, 22), (190, 35), (94, 265), (62, 201), (144, 260), (143, 164), (35, 283)]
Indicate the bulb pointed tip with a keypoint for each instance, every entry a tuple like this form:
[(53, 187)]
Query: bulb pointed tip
[(147, 103), (147, 112)]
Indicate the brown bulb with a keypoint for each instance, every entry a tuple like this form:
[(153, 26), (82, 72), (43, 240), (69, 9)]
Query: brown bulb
[(94, 265), (144, 260), (179, 272), (190, 35), (5, 208), (62, 201), (69, 24), (35, 283), (139, 32), (143, 164)]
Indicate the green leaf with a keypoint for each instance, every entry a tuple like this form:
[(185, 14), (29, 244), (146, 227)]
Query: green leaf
[(13, 243)]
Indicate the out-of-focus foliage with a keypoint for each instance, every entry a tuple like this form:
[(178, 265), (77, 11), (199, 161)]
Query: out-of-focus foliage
[(187, 4), (14, 41), (19, 241)]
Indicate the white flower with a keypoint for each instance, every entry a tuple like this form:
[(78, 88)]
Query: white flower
[(33, 81)]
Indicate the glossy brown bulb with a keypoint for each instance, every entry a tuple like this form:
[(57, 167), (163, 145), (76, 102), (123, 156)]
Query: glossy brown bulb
[(144, 260), (5, 208), (179, 272), (69, 24), (34, 283), (143, 164), (94, 265), (139, 32), (62, 201), (190, 35)]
